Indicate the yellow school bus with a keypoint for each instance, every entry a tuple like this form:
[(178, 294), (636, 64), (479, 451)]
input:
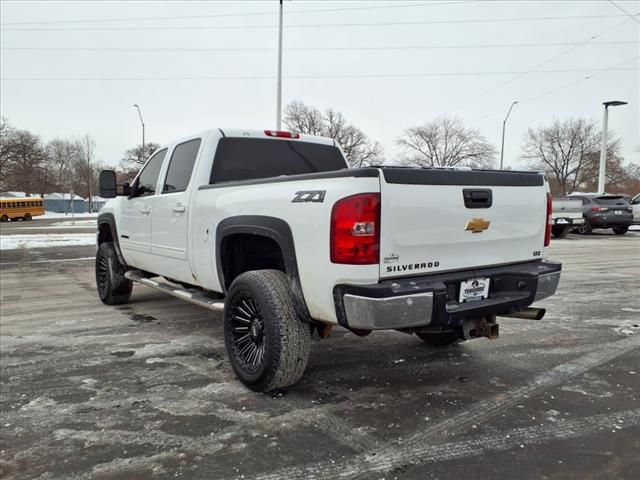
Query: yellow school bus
[(20, 208)]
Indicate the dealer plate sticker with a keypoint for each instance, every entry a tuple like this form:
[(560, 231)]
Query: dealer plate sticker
[(474, 289)]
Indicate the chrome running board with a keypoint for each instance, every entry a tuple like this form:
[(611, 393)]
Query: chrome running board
[(196, 298)]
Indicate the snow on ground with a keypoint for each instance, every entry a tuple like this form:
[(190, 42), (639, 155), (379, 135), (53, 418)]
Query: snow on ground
[(74, 223), (54, 215), (11, 242)]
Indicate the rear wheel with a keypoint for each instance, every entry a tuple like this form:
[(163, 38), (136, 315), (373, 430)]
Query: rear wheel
[(439, 339), (620, 230), (268, 346), (560, 232), (27, 217), (113, 287)]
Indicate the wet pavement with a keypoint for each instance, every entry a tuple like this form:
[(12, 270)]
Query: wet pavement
[(144, 390)]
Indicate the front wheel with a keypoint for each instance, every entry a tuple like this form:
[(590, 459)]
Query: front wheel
[(268, 346), (113, 287), (620, 230), (4, 218)]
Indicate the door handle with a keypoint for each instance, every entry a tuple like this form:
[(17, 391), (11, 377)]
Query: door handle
[(179, 208), (145, 211)]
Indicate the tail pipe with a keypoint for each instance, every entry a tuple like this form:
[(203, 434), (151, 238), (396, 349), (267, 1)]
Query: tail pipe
[(529, 313)]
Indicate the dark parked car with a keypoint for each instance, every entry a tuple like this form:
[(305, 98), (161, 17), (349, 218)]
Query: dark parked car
[(605, 211)]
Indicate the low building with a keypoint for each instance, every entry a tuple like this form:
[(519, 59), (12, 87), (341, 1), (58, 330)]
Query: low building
[(62, 203), (96, 203)]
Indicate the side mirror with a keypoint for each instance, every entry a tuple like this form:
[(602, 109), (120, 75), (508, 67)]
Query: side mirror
[(107, 184)]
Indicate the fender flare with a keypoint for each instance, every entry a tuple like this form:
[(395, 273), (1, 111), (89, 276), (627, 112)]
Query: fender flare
[(109, 219), (275, 229)]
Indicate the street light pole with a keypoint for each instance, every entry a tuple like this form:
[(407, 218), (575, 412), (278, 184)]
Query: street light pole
[(279, 87), (504, 125), (142, 122), (603, 147)]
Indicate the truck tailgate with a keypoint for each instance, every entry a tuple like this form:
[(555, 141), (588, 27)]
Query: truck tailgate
[(435, 220)]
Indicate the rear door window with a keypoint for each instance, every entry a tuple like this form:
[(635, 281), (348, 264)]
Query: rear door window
[(181, 166), (148, 178), (254, 158)]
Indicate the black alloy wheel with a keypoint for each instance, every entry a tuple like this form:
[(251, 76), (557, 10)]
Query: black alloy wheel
[(113, 287), (247, 333), (267, 344)]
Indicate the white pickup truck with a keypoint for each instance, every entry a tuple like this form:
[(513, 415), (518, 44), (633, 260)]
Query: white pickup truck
[(275, 230), (567, 215)]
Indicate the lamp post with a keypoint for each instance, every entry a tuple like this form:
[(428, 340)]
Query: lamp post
[(142, 122), (504, 125), (603, 148), (279, 87)]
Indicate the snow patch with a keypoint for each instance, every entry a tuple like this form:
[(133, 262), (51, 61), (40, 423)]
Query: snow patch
[(75, 223), (12, 242)]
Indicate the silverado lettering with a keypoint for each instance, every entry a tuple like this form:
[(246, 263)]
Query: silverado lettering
[(412, 266)]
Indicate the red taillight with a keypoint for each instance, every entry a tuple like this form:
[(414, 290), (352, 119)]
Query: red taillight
[(355, 230), (281, 134), (599, 209), (547, 232)]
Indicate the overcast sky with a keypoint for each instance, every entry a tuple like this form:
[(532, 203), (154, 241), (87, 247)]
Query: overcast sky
[(81, 69)]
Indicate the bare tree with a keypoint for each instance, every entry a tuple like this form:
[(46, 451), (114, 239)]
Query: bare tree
[(564, 151), (446, 142), (62, 157), (134, 157), (85, 150), (22, 166), (7, 151), (302, 118), (359, 149)]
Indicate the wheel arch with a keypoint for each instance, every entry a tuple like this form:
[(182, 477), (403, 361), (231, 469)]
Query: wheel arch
[(275, 230), (107, 231)]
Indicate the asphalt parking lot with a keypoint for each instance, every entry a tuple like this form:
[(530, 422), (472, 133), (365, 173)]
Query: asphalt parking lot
[(145, 391)]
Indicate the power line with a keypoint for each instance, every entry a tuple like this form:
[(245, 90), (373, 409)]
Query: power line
[(318, 25), (597, 72), (297, 77), (227, 15), (538, 65), (633, 17), (315, 49)]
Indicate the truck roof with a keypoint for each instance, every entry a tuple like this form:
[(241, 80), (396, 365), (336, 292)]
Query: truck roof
[(252, 133)]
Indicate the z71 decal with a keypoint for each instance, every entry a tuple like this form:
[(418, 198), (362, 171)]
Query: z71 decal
[(305, 196)]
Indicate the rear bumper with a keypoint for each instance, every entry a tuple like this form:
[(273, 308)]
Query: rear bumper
[(609, 220), (567, 221), (432, 301)]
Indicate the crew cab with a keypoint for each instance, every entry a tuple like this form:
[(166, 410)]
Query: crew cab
[(275, 230)]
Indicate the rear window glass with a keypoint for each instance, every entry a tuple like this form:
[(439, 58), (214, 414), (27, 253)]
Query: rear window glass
[(611, 200), (254, 158)]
